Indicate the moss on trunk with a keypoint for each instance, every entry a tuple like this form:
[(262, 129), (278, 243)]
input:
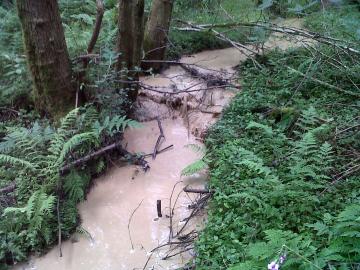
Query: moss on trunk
[(47, 56)]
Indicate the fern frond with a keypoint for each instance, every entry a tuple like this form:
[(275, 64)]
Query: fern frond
[(82, 231), (196, 148), (6, 159), (72, 143), (264, 128), (194, 168)]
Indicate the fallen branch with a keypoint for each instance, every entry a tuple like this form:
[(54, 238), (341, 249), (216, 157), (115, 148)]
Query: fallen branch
[(325, 83), (210, 79), (274, 28), (154, 89), (240, 47), (133, 158)]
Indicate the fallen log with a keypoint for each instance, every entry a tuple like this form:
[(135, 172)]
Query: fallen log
[(194, 190), (211, 79), (138, 160)]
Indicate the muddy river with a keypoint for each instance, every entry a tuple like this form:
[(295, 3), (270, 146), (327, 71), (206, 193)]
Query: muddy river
[(120, 212)]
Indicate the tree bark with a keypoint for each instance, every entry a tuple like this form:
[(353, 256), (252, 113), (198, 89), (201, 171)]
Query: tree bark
[(47, 56), (129, 44), (157, 29)]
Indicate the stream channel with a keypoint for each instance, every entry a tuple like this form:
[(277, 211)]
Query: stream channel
[(120, 212)]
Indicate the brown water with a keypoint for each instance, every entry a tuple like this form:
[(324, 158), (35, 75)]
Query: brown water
[(126, 193), (110, 204)]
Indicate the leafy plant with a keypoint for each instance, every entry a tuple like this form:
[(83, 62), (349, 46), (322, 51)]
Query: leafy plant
[(280, 174), (39, 153)]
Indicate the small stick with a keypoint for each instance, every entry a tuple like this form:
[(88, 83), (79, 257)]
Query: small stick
[(132, 214), (178, 253), (193, 213), (158, 207), (147, 261), (170, 214), (160, 151)]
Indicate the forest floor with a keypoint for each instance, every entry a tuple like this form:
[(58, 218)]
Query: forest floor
[(186, 106), (283, 158)]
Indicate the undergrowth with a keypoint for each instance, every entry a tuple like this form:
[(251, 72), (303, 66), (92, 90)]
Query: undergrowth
[(284, 163), (33, 159)]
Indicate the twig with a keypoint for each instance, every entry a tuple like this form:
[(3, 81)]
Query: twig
[(160, 151), (147, 261), (347, 129), (59, 225), (193, 213), (173, 255), (348, 172), (171, 214), (171, 243), (132, 214), (9, 110), (324, 83), (160, 138)]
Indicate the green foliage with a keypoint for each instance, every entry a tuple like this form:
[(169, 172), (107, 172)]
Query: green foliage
[(35, 217), (273, 158), (197, 165), (211, 12), (37, 154), (290, 7), (341, 22)]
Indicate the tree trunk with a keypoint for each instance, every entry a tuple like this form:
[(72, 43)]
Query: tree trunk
[(157, 29), (47, 56), (129, 44)]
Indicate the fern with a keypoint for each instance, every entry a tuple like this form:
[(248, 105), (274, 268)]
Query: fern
[(197, 165), (266, 129), (194, 168), (5, 159), (74, 186), (196, 148), (82, 231), (35, 215), (72, 143)]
